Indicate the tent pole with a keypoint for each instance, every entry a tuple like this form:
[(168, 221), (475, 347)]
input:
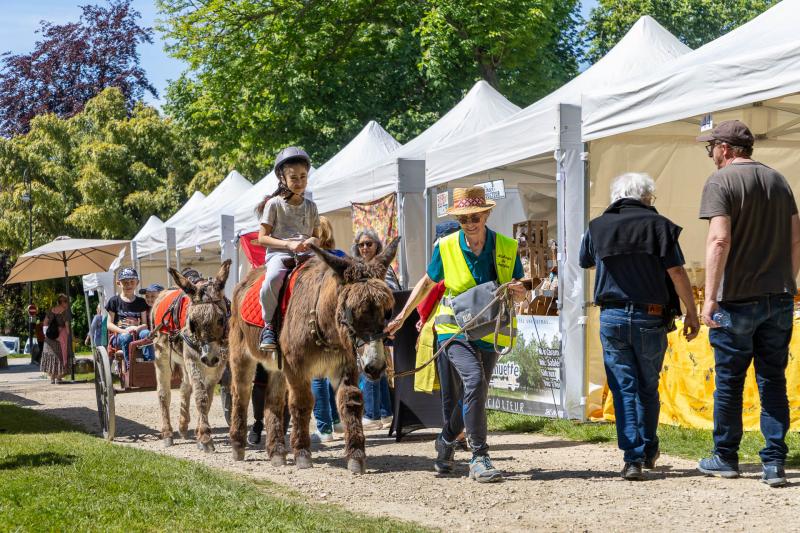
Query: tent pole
[(88, 316), (70, 355)]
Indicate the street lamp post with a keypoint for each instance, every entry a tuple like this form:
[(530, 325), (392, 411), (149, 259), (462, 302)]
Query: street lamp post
[(27, 197)]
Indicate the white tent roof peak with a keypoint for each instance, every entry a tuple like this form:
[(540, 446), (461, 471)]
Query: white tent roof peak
[(757, 61), (230, 188), (647, 46), (480, 108), (194, 201), (153, 224), (371, 145)]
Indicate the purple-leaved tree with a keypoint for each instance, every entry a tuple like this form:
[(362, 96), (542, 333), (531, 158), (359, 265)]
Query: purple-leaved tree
[(72, 63)]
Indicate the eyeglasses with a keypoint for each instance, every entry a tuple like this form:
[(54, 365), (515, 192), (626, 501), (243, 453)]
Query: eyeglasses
[(710, 148), (469, 219), (366, 244)]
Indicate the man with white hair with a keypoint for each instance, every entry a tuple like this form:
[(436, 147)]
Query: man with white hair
[(639, 278)]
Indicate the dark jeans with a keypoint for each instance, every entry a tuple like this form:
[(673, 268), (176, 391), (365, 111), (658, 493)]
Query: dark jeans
[(474, 368), (760, 332), (450, 389), (633, 352), (123, 340), (325, 412), (377, 398)]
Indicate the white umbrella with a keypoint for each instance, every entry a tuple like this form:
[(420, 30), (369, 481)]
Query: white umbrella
[(66, 257)]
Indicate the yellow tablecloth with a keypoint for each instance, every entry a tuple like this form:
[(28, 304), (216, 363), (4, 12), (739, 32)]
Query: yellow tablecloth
[(687, 384)]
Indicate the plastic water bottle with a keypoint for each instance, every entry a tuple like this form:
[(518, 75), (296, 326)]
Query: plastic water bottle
[(722, 318)]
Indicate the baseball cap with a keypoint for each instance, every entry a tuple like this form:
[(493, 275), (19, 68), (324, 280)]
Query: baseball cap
[(191, 274), (127, 273), (153, 287), (733, 132), (443, 229)]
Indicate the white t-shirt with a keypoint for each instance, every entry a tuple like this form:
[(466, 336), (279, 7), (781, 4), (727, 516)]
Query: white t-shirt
[(290, 222)]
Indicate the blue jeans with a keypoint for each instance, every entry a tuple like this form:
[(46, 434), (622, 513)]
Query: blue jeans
[(377, 401), (325, 412), (122, 342), (634, 343), (760, 332)]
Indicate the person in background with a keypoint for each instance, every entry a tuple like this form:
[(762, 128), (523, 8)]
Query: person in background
[(127, 315), (326, 415), (377, 397), (472, 256), (640, 277), (150, 293), (55, 354), (95, 335), (752, 261)]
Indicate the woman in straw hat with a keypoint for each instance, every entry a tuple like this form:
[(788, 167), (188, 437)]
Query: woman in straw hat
[(472, 256)]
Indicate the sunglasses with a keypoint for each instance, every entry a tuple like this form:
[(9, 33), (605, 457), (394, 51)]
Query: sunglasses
[(469, 219), (366, 244)]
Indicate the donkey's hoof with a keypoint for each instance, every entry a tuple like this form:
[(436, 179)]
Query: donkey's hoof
[(167, 442), (302, 459), (357, 466), (238, 453), (277, 460), (208, 447)]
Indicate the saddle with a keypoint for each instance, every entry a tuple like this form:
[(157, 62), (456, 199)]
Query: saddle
[(169, 316), (250, 309)]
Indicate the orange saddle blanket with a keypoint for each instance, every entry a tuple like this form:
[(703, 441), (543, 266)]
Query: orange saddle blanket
[(164, 317), (250, 310)]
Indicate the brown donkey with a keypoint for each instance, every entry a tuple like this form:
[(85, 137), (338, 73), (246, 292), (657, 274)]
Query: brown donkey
[(338, 304), (199, 347)]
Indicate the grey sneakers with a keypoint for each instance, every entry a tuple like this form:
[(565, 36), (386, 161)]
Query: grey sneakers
[(482, 470), (445, 453)]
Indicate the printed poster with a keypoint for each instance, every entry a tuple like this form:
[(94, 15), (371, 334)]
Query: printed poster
[(528, 379)]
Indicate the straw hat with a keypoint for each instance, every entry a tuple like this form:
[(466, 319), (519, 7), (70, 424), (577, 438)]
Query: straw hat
[(469, 200)]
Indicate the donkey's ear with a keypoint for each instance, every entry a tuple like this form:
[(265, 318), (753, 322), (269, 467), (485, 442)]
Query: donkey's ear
[(187, 286), (337, 264), (386, 257), (222, 275)]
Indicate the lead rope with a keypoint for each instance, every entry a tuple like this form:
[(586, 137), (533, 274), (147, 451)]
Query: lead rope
[(501, 295)]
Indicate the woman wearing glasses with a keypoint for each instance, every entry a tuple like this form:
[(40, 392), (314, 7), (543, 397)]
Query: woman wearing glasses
[(472, 256), (377, 401)]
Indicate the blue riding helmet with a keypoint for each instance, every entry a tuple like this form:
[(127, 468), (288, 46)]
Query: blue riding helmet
[(127, 273)]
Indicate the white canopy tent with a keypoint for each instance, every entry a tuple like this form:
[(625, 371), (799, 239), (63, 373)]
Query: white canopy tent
[(225, 199), (752, 74), (402, 173), (532, 152), (372, 145)]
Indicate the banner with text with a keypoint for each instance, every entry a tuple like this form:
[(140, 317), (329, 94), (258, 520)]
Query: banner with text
[(527, 380)]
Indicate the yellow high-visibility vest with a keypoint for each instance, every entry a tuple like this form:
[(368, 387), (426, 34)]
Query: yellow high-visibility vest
[(458, 278)]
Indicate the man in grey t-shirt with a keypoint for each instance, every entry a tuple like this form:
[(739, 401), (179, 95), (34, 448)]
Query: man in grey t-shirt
[(752, 260)]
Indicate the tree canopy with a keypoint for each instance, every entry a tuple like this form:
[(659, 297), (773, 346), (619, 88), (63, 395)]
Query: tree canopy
[(265, 74), (694, 22), (100, 173), (72, 63)]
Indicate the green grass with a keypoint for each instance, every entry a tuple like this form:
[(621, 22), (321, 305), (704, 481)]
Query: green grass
[(56, 478), (673, 440)]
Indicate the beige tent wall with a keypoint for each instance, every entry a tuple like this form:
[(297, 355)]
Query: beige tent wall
[(342, 222), (680, 166)]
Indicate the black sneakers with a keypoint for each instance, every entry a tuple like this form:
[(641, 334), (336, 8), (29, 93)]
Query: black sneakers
[(445, 453), (632, 472), (254, 437)]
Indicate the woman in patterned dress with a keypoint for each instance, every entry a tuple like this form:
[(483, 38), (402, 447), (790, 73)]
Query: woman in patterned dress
[(55, 353)]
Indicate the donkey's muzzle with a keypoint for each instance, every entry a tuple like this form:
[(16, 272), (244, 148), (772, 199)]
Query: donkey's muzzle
[(206, 358), (374, 371)]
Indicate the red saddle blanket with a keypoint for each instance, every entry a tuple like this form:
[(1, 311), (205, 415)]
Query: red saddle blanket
[(250, 310), (164, 317)]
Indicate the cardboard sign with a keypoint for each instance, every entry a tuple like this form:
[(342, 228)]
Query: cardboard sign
[(495, 190), (442, 203)]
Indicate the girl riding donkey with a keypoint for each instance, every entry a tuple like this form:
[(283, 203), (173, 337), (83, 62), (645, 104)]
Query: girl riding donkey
[(289, 223)]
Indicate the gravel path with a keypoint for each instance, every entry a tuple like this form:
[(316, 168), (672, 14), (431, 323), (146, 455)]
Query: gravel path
[(551, 484)]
